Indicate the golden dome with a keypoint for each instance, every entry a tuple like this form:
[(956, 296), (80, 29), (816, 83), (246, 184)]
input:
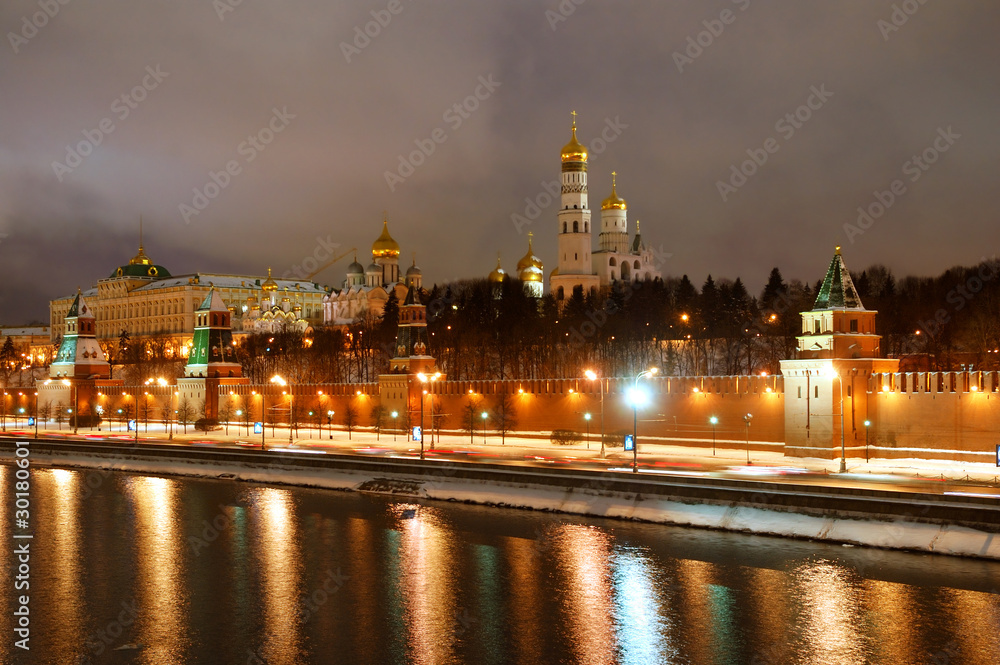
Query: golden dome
[(613, 202), (498, 273), (269, 284), (574, 151), (385, 245), (529, 260), (140, 259)]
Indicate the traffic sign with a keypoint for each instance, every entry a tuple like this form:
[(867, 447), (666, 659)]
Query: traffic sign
[(258, 428), (629, 442), (417, 433)]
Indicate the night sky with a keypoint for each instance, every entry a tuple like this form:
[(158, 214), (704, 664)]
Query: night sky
[(211, 75)]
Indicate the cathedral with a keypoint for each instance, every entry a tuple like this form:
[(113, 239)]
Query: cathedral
[(619, 257), (367, 289), (530, 271)]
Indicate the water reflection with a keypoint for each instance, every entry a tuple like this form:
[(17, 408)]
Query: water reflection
[(162, 575), (582, 554), (831, 615), (63, 488), (643, 629), (276, 537), (427, 570)]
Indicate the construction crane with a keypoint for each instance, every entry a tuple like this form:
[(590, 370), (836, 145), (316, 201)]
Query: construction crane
[(329, 263)]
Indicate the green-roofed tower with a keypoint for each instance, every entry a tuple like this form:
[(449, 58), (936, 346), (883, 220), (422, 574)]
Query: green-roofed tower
[(827, 399)]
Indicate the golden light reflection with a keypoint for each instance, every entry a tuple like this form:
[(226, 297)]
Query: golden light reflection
[(898, 611), (831, 619), (525, 584), (162, 578), (697, 619), (583, 554), (971, 617), (66, 577), (280, 561), (426, 581)]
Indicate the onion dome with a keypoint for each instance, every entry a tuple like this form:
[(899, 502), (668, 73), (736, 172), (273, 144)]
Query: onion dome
[(355, 268), (574, 151), (529, 260), (269, 284), (613, 202), (385, 245), (413, 271), (373, 268), (498, 273)]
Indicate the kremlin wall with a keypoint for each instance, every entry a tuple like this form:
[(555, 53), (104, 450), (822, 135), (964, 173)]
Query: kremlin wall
[(838, 393)]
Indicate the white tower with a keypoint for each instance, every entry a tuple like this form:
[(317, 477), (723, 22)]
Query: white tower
[(614, 224), (574, 260)]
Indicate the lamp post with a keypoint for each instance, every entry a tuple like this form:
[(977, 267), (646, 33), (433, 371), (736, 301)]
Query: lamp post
[(424, 380), (833, 374), (592, 375), (636, 398), (747, 418), (329, 422), (395, 416), (36, 414), (173, 409), (76, 406), (714, 421), (281, 382), (485, 416), (586, 417), (868, 424)]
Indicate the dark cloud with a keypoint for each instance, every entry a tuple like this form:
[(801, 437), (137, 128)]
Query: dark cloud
[(323, 175)]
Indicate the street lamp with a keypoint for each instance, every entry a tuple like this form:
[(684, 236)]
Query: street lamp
[(395, 416), (747, 418), (76, 405), (329, 422), (592, 375), (638, 398), (832, 374), (868, 424), (281, 382), (36, 414), (424, 379), (714, 421), (586, 417), (485, 416)]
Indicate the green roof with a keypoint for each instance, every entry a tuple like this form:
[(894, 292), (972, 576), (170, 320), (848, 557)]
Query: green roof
[(141, 270), (838, 290)]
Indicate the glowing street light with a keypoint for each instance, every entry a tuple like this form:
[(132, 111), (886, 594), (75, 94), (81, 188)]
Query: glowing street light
[(715, 421), (279, 380), (586, 417), (484, 416), (638, 398), (424, 379), (592, 375), (395, 415)]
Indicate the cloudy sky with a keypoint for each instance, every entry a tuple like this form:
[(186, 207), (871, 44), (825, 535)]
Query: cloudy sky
[(114, 109)]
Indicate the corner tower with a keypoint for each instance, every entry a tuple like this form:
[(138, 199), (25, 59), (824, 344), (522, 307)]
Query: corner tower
[(574, 261)]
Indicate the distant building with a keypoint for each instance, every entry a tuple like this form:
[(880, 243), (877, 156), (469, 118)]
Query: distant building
[(33, 344), (145, 299), (530, 271), (366, 290), (619, 257)]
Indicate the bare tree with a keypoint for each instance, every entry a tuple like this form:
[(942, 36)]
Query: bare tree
[(185, 412), (504, 415), (350, 417), (378, 418)]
